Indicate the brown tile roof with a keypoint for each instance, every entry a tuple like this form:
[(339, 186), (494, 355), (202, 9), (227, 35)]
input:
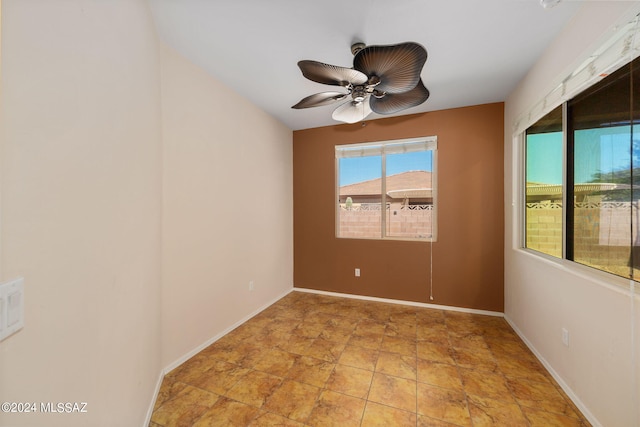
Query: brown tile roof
[(411, 180)]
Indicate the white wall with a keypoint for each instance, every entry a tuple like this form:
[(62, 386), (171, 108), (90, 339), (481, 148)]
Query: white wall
[(227, 208), (136, 221), (81, 177), (601, 365)]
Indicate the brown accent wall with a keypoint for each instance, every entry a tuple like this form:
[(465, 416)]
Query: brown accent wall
[(468, 256)]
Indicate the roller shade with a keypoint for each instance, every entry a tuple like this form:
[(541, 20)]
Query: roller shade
[(391, 147), (621, 48)]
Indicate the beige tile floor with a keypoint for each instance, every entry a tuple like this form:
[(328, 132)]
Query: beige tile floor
[(315, 360)]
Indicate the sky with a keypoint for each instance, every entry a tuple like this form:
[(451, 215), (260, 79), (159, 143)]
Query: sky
[(596, 150), (544, 158), (360, 169)]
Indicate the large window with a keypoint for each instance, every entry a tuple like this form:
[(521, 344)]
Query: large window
[(585, 158), (387, 189)]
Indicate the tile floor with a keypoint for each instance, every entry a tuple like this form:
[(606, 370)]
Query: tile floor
[(315, 360)]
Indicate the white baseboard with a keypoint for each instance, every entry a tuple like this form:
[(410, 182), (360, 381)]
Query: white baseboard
[(574, 398), (201, 347), (395, 301), (153, 401), (210, 341)]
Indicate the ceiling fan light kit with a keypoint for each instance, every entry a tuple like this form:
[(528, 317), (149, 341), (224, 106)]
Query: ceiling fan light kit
[(384, 79)]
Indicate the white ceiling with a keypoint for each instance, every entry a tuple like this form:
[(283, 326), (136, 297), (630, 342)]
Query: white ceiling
[(478, 49)]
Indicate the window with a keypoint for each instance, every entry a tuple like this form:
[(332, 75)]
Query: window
[(544, 190), (597, 181), (387, 190), (603, 217)]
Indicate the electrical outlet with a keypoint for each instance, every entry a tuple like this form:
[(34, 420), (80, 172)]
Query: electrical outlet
[(251, 285), (357, 272), (565, 337)]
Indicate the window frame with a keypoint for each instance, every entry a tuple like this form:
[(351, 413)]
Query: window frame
[(621, 48), (380, 148), (567, 258)]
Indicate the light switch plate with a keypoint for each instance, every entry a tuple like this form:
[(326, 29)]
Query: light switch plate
[(11, 307), (2, 316)]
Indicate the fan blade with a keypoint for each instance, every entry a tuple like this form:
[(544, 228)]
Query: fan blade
[(319, 99), (352, 112), (397, 66), (331, 74), (394, 102)]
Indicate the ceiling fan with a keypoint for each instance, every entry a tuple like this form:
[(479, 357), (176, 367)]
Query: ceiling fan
[(384, 79)]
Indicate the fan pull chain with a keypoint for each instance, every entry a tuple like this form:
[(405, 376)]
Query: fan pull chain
[(431, 257)]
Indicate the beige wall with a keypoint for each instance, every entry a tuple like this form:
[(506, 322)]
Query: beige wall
[(543, 296), (227, 207), (106, 188), (80, 173)]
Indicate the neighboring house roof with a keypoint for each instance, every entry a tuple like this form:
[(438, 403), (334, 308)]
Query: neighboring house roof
[(405, 184), (536, 189)]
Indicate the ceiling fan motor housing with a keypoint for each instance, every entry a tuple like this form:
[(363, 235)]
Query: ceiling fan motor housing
[(357, 47), (359, 93)]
